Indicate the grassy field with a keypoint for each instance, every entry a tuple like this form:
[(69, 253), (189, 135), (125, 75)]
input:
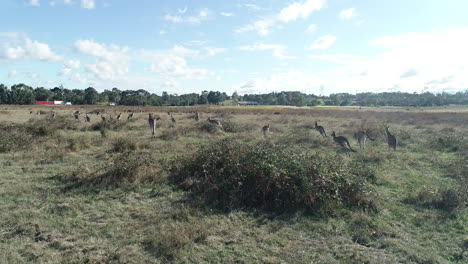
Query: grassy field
[(78, 192)]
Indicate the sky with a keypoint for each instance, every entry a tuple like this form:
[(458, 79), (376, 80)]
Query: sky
[(248, 46)]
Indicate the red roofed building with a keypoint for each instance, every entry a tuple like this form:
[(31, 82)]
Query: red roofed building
[(45, 102)]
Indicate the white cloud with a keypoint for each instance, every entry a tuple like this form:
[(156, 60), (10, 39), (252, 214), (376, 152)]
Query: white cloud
[(302, 10), (226, 14), (210, 51), (72, 64), (278, 50), (34, 3), (202, 15), (405, 62), (17, 46), (88, 4), (112, 62), (253, 7), (294, 11), (52, 3), (347, 13), (182, 11), (67, 2), (311, 28), (288, 81), (262, 27), (12, 74), (323, 42)]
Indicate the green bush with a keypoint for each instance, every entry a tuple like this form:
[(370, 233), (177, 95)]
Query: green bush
[(231, 174), (124, 145), (109, 125), (122, 169), (14, 138)]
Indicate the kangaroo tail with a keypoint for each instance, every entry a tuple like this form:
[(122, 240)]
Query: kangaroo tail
[(349, 146), (369, 137)]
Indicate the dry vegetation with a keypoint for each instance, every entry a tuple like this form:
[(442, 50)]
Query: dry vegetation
[(78, 192)]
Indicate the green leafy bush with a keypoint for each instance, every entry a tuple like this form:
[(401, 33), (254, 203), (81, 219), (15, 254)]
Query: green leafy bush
[(124, 145), (231, 174)]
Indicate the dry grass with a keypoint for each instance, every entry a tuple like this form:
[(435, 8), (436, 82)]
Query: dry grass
[(73, 194)]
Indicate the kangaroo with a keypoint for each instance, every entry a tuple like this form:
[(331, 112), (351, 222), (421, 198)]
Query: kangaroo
[(119, 116), (391, 139), (197, 117), (103, 118), (152, 124), (98, 112), (320, 129), (53, 115), (77, 115), (215, 123), (342, 141), (30, 112), (130, 116), (361, 137), (173, 119), (266, 130), (87, 118)]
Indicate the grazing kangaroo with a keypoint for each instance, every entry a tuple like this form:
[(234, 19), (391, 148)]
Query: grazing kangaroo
[(77, 115), (103, 118), (361, 137), (266, 130), (119, 116), (343, 142), (215, 123), (130, 116), (391, 139), (320, 129), (152, 124), (30, 112), (87, 118), (197, 117)]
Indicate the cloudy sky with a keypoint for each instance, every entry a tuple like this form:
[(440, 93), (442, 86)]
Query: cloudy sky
[(248, 46)]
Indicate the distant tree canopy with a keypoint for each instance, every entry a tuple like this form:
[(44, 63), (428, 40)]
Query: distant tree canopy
[(23, 94)]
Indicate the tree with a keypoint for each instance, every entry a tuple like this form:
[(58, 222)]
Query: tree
[(4, 95), (43, 94), (235, 96), (90, 96)]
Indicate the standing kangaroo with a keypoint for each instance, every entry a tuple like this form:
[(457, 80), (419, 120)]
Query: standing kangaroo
[(266, 130), (197, 117), (343, 142), (361, 137), (119, 116), (130, 116), (152, 124), (77, 115), (391, 139), (320, 129), (173, 119), (215, 123), (87, 118)]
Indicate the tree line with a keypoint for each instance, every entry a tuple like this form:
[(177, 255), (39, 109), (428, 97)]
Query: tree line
[(23, 95)]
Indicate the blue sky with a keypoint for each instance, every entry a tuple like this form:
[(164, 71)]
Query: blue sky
[(313, 46)]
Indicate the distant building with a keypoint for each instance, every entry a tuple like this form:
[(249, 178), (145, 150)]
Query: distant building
[(68, 103), (58, 103), (247, 103), (112, 104), (44, 102)]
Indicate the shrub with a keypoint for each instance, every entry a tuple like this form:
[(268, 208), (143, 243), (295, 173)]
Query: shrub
[(448, 200), (124, 145), (13, 138), (108, 125), (450, 142), (124, 168), (231, 174)]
